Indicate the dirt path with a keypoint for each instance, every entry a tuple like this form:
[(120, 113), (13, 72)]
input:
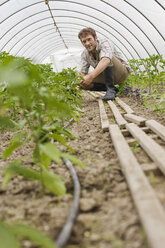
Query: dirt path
[(107, 216)]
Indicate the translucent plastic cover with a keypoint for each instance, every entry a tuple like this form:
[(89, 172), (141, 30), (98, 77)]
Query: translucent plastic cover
[(27, 27)]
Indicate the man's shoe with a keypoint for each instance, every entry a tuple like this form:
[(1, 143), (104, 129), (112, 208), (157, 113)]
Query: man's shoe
[(110, 95)]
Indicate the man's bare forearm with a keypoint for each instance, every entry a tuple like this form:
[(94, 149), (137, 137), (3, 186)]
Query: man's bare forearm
[(102, 65), (104, 62), (82, 74)]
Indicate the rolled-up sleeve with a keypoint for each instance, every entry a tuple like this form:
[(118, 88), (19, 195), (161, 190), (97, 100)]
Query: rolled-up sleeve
[(106, 49), (84, 64)]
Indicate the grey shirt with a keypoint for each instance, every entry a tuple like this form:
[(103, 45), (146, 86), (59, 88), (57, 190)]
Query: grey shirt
[(104, 48)]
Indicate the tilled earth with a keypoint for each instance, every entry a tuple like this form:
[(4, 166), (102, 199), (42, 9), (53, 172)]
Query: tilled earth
[(107, 217)]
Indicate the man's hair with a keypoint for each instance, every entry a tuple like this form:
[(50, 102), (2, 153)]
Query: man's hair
[(86, 31)]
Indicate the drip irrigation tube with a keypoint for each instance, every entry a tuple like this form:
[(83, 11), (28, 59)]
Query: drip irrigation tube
[(64, 235), (66, 231)]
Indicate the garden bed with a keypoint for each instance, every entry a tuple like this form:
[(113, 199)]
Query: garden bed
[(107, 216)]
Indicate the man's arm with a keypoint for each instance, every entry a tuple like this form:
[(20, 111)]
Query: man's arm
[(82, 74), (103, 63)]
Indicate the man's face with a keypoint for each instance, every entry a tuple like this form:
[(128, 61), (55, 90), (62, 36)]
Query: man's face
[(89, 42)]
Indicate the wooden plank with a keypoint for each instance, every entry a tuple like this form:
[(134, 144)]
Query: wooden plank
[(149, 167), (132, 140), (119, 119), (155, 151), (103, 116), (150, 210), (93, 94), (136, 119), (156, 127), (126, 107), (101, 94), (126, 133)]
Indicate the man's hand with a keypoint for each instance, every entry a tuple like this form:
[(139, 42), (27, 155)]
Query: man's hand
[(87, 80)]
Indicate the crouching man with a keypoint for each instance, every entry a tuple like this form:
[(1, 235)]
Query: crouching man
[(110, 68)]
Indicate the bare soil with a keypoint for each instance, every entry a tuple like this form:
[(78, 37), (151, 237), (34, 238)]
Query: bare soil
[(107, 217)]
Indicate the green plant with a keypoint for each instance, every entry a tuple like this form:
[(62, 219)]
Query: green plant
[(35, 97), (147, 82), (11, 234), (152, 178), (135, 147)]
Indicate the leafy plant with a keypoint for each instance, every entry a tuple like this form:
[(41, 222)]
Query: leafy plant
[(147, 82), (10, 235), (135, 146), (35, 98)]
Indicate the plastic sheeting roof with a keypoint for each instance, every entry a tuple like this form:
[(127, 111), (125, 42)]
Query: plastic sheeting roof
[(27, 28)]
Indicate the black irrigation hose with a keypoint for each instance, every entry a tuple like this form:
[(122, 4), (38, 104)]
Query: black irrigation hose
[(66, 231), (64, 235)]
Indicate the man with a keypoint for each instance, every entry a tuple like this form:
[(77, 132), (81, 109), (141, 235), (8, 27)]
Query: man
[(110, 68)]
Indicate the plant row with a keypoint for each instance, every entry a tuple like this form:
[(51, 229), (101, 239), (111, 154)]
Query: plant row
[(36, 103), (147, 81)]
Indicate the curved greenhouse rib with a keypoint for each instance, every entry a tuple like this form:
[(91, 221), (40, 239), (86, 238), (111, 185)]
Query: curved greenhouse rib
[(146, 18), (37, 36), (160, 4), (4, 2), (45, 43), (39, 50), (47, 51), (19, 11), (51, 50), (135, 22)]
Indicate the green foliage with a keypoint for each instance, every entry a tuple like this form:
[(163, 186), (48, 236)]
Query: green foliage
[(49, 180), (9, 235), (7, 238), (152, 178), (52, 151), (135, 147), (15, 142), (35, 97), (147, 81), (7, 124)]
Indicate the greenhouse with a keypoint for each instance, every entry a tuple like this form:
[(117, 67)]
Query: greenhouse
[(82, 123)]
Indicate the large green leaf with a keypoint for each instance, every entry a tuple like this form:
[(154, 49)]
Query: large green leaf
[(45, 160), (15, 142), (6, 123), (16, 168), (53, 182), (38, 237), (9, 150), (73, 159), (62, 140), (52, 151), (7, 239)]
